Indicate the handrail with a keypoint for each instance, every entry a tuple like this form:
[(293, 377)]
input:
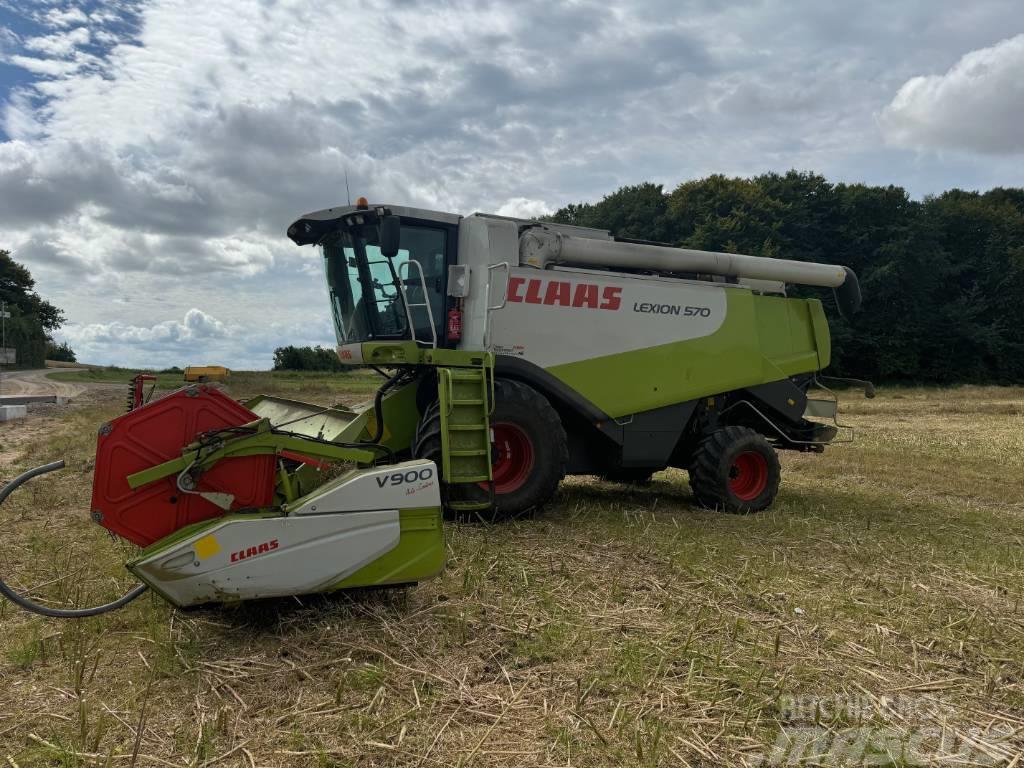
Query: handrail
[(425, 303), (449, 385), (487, 299)]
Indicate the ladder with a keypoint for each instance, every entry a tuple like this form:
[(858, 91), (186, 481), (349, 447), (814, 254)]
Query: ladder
[(466, 397)]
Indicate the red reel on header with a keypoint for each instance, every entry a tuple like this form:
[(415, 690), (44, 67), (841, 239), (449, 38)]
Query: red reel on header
[(156, 433)]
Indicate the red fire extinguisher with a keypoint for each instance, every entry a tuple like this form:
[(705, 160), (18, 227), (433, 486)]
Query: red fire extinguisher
[(454, 324)]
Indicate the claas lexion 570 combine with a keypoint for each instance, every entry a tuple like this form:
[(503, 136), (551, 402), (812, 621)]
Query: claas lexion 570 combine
[(514, 352)]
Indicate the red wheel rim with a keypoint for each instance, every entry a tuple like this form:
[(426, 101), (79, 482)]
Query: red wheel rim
[(748, 475), (512, 460)]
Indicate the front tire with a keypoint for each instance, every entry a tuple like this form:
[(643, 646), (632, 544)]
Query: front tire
[(529, 451), (735, 469)]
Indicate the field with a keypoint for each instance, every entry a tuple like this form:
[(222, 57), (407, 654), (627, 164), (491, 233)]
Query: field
[(874, 616)]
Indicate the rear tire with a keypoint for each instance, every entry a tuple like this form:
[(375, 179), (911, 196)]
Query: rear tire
[(735, 469), (529, 453)]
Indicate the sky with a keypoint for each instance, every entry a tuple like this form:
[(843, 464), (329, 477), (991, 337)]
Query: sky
[(153, 152)]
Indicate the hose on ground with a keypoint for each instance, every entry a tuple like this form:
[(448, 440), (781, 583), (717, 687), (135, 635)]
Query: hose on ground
[(45, 610)]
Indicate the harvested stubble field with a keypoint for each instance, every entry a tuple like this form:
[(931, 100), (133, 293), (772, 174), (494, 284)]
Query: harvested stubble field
[(881, 600)]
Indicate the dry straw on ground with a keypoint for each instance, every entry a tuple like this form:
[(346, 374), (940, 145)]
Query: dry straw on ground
[(620, 627)]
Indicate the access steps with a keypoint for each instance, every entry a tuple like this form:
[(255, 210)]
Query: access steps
[(466, 397)]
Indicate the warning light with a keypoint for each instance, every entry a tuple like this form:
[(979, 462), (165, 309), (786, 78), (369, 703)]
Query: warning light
[(362, 204)]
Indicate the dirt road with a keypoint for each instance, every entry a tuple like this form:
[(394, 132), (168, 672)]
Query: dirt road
[(36, 383)]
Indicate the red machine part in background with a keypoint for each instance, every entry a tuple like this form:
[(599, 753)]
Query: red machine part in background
[(138, 397), (155, 433)]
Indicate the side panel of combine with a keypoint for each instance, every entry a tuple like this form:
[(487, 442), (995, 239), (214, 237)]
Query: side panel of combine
[(631, 344)]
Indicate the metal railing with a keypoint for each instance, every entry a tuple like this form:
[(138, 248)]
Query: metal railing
[(487, 299), (402, 278)]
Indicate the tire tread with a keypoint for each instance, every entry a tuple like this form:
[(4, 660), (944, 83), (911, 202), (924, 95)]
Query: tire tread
[(706, 478), (427, 441)]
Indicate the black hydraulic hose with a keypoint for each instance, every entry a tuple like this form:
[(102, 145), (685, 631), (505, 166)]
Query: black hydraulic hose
[(378, 409), (43, 610)]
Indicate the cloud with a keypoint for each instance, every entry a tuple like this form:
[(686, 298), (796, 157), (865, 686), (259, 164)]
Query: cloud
[(197, 325), (60, 43), (196, 338), (18, 119), (47, 67), (154, 151), (524, 208), (163, 343), (9, 41), (65, 17), (977, 105), (39, 248)]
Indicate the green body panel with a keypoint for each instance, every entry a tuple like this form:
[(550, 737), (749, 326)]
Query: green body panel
[(410, 353), (400, 419), (763, 339), (420, 553), (822, 335)]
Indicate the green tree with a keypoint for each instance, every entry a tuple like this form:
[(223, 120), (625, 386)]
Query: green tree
[(317, 358), (638, 212), (16, 288), (32, 318), (723, 214), (60, 352)]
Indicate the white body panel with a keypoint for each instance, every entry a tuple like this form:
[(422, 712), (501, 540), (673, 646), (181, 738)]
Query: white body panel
[(408, 485), (350, 522), (269, 557), (485, 242), (601, 313)]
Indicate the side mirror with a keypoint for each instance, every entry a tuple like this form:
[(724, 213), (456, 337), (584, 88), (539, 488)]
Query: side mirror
[(390, 235), (458, 281)]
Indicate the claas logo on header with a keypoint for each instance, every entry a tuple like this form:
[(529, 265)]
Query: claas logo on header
[(259, 549)]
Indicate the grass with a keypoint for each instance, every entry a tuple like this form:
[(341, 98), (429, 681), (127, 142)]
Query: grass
[(622, 626)]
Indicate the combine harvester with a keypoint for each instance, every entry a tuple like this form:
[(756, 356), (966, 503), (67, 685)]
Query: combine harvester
[(517, 352)]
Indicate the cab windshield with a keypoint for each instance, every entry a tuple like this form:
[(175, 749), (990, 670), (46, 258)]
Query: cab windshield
[(367, 300)]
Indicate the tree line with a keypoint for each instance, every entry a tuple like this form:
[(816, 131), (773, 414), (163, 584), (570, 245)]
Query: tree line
[(942, 277), (32, 319), (317, 358)]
